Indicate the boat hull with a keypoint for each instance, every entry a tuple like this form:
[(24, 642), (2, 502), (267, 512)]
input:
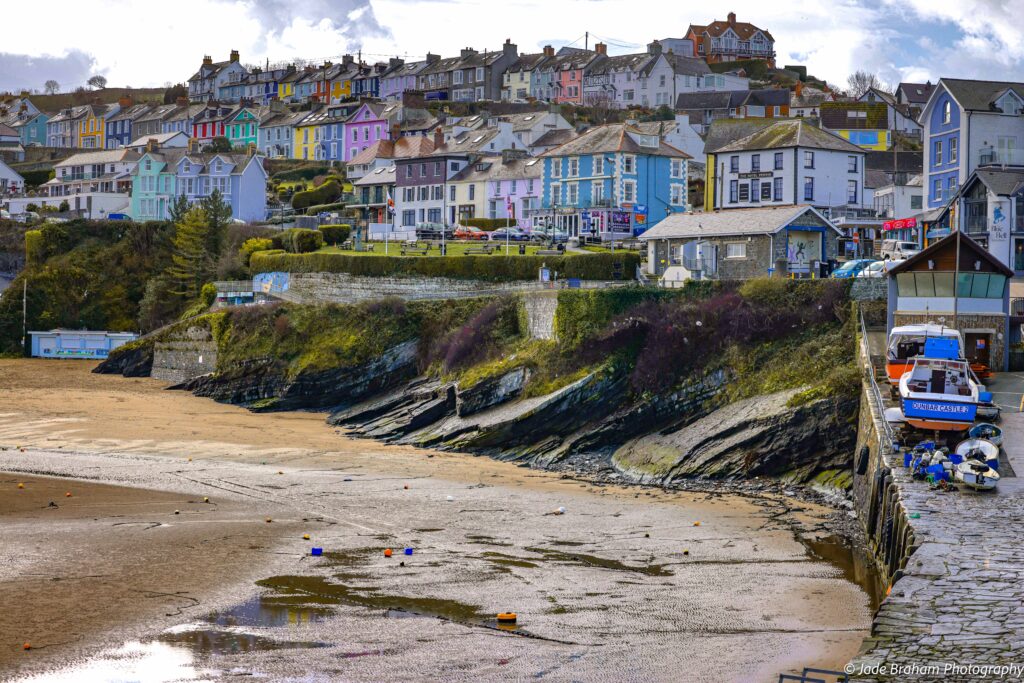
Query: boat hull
[(895, 369), (939, 415)]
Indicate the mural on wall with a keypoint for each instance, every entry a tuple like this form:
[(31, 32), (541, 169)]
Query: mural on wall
[(802, 248), (999, 230)]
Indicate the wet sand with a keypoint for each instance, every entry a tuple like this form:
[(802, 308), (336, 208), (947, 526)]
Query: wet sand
[(582, 581)]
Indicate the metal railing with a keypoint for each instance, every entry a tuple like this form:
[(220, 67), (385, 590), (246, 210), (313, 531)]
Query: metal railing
[(874, 393)]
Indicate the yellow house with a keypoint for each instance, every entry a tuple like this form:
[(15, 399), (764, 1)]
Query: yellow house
[(873, 140), (865, 124), (92, 128), (307, 132), (286, 86)]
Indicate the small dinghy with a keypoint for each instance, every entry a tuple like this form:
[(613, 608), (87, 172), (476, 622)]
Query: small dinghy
[(987, 431), (977, 475), (981, 450)]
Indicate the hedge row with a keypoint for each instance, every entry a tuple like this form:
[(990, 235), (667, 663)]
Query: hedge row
[(492, 268), (323, 194), (297, 241), (304, 173), (488, 223), (335, 234), (317, 208)]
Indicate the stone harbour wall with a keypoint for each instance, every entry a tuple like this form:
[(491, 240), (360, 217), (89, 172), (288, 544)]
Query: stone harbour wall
[(540, 314), (348, 289)]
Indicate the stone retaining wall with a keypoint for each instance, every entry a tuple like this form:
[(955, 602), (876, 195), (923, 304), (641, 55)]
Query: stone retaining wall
[(347, 289), (540, 314), (191, 354)]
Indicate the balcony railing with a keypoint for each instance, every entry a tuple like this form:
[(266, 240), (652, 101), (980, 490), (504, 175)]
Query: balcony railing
[(991, 156)]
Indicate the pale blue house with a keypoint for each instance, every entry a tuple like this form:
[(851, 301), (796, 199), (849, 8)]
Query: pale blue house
[(163, 174), (612, 181)]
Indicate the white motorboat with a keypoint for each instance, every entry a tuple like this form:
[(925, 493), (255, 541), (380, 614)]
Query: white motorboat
[(940, 394), (909, 341), (976, 475)]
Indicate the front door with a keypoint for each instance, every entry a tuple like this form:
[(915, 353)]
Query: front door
[(979, 346)]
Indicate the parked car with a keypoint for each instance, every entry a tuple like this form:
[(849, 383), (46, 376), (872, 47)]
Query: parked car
[(433, 231), (4, 214), (852, 268), (548, 234), (874, 269), (514, 235), (468, 232), (893, 250)]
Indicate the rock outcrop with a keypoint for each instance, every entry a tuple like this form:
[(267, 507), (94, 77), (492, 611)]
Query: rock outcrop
[(134, 362)]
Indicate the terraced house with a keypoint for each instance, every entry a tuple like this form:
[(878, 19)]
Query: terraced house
[(865, 124), (91, 128), (162, 174), (209, 122), (730, 41), (120, 126), (206, 83), (399, 77), (613, 181), (241, 127), (275, 135), (25, 118), (62, 128)]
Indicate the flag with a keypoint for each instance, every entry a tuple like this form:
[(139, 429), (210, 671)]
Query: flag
[(511, 208), (391, 203)]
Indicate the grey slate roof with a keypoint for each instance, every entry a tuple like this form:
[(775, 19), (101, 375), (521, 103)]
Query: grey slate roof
[(724, 131), (613, 138), (681, 65), (917, 93), (790, 133), (555, 137), (1002, 182), (733, 222), (493, 168), (979, 95)]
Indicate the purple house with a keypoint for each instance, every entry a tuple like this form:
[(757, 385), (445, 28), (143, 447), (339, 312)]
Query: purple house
[(398, 78), (367, 125), (516, 182), (421, 186)]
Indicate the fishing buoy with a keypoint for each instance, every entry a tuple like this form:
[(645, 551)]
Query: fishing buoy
[(67, 494), (21, 486), (696, 523), (387, 552), (177, 512), (269, 520), (888, 590), (26, 646), (450, 498), (401, 564), (205, 499), (408, 551), (647, 535), (507, 618), (190, 459), (686, 552), (316, 552), (915, 515), (406, 487), (305, 537)]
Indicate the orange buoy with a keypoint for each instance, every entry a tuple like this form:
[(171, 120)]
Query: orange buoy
[(888, 590), (21, 486), (305, 537), (696, 523), (387, 552), (68, 494), (26, 646), (269, 520), (507, 617)]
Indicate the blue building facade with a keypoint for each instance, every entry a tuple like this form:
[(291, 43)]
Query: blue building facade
[(612, 182), (81, 344), (943, 154)]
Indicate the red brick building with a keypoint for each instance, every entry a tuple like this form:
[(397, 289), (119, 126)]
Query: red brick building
[(730, 41)]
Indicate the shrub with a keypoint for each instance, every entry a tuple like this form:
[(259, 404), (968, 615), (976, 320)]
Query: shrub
[(303, 173), (252, 245), (314, 210), (480, 338), (323, 194), (64, 207), (35, 247), (302, 240), (491, 268), (335, 234), (36, 178), (32, 207)]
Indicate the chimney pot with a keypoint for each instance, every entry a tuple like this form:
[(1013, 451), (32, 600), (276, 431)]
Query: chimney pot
[(549, 51), (234, 56), (438, 137), (207, 60), (601, 48), (732, 18)]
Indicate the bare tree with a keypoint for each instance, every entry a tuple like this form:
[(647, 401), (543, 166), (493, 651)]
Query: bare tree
[(98, 82), (51, 87), (860, 82)]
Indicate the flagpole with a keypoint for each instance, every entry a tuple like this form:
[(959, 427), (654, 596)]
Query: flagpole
[(508, 222)]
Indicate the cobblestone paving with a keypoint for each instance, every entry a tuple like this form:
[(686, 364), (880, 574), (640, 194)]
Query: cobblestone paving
[(959, 603)]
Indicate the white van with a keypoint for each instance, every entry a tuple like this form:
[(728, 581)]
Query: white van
[(895, 250)]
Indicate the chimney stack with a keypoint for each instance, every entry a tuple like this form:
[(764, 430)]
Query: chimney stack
[(396, 131), (438, 138), (250, 150), (799, 89), (510, 49), (207, 60), (508, 155), (234, 56), (432, 58), (151, 145), (395, 62), (467, 52), (549, 51), (347, 59), (732, 18), (124, 102), (653, 48), (601, 48), (181, 101), (193, 146)]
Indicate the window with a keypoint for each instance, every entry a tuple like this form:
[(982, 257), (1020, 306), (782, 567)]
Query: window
[(851, 164), (808, 159), (661, 81), (778, 161), (953, 143), (777, 190), (629, 164), (366, 133), (556, 193), (598, 165), (479, 74), (937, 189), (497, 188), (472, 192), (556, 168), (408, 171), (457, 78), (597, 193), (434, 215), (754, 194), (423, 170), (574, 167), (809, 189), (676, 167), (937, 153), (451, 194), (915, 201), (734, 164), (437, 168), (851, 192), (629, 191), (755, 162), (355, 135), (744, 192), (574, 193), (947, 112), (677, 194), (766, 192), (736, 250), (951, 186)]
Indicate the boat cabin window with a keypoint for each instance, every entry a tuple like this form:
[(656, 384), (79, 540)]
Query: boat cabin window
[(969, 285)]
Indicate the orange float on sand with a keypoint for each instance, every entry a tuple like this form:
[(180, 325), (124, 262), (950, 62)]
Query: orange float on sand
[(387, 552), (507, 617)]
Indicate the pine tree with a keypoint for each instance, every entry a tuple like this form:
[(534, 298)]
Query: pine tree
[(191, 264), (218, 213), (178, 208)]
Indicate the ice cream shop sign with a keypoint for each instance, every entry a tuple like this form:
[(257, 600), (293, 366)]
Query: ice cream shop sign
[(900, 224)]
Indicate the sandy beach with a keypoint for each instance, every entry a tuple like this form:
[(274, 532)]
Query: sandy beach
[(627, 583)]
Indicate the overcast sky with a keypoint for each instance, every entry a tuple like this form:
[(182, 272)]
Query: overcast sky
[(138, 44)]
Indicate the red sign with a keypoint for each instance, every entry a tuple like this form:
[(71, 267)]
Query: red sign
[(900, 224)]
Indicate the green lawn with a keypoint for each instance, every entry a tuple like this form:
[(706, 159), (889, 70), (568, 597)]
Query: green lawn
[(454, 249)]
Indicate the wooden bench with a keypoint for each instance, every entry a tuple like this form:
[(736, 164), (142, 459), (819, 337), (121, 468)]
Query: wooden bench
[(421, 251), (549, 252), (479, 250)]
